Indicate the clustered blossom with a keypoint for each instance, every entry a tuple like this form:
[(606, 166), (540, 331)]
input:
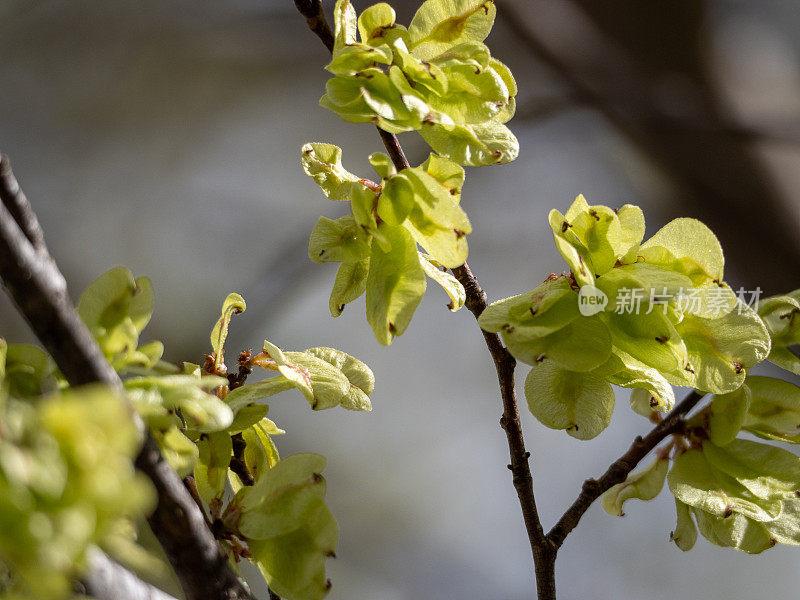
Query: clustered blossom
[(708, 343), (436, 77)]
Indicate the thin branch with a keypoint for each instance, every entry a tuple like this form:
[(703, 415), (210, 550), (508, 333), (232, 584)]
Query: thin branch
[(593, 488), (237, 464), (34, 282), (544, 552), (315, 18), (394, 149)]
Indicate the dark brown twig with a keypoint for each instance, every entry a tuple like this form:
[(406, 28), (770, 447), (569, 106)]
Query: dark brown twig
[(593, 488), (394, 149), (544, 553), (315, 17), (34, 282), (237, 464)]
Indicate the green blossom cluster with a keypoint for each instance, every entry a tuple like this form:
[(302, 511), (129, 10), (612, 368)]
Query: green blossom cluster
[(66, 455), (281, 515), (377, 243), (736, 492), (686, 327), (436, 77), (67, 480)]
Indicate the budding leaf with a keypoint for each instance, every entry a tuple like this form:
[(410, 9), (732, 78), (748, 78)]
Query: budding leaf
[(210, 471), (766, 471), (580, 403), (643, 485), (345, 24), (450, 284), (341, 240), (359, 375), (329, 386), (374, 20), (28, 371), (178, 450), (477, 145), (721, 350), (323, 163), (296, 374), (395, 285), (350, 283), (325, 376), (440, 24), (694, 481), (685, 534), (233, 305), (728, 413), (247, 416), (735, 531), (288, 527), (249, 393), (774, 410), (781, 315), (687, 246)]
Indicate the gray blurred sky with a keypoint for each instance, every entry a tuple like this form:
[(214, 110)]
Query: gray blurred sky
[(165, 136)]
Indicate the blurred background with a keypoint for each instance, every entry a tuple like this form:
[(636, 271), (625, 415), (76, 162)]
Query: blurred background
[(165, 136)]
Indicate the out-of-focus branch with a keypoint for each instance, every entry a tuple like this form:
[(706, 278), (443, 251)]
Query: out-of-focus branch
[(108, 580), (38, 288)]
